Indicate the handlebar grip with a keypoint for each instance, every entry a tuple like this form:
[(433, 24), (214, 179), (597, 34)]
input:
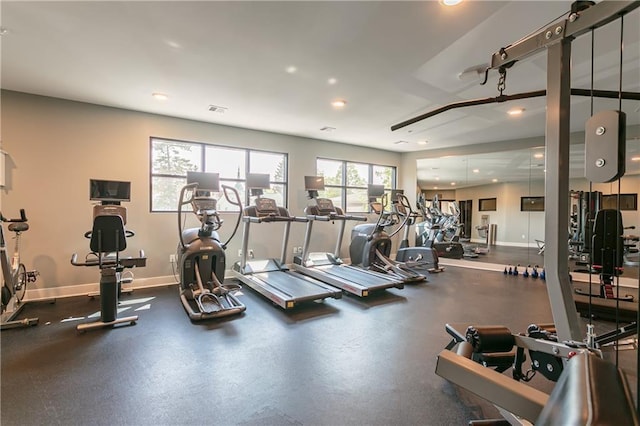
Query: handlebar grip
[(74, 259), (320, 218), (87, 234), (23, 215), (129, 233)]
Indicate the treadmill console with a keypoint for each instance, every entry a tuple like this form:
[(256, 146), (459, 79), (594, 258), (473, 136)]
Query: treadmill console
[(325, 207), (266, 207)]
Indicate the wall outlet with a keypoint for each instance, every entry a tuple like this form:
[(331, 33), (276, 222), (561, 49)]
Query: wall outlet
[(239, 252), (172, 258), (250, 253)]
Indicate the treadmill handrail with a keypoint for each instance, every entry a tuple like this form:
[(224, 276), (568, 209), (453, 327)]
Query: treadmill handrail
[(332, 216), (254, 219)]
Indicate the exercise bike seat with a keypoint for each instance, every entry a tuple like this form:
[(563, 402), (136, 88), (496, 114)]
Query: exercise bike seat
[(18, 227)]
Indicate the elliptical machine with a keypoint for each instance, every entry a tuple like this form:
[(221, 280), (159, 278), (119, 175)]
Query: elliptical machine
[(417, 258), (370, 246), (438, 230), (200, 255)]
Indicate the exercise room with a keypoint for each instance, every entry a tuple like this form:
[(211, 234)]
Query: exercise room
[(319, 213)]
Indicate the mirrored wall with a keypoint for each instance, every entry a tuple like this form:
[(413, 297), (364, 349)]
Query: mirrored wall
[(506, 189)]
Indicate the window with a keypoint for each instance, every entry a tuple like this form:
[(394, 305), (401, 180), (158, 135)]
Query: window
[(531, 204), (346, 182), (487, 204), (627, 201), (171, 160)]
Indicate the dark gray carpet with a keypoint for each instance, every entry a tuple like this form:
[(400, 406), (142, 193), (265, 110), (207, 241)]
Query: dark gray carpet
[(342, 362)]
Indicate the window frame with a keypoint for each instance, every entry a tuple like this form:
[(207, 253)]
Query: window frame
[(345, 187), (202, 146)]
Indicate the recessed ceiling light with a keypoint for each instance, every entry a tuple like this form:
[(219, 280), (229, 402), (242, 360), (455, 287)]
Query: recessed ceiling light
[(450, 2), (437, 178), (332, 81), (173, 44), (453, 184), (435, 187), (494, 180), (339, 103), (291, 69), (635, 158), (538, 155), (423, 142), (515, 111), (476, 170), (160, 96)]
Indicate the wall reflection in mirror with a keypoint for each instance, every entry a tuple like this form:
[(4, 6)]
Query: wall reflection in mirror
[(498, 199)]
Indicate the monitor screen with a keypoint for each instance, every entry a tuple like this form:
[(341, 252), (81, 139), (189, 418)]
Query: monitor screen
[(258, 181), (375, 190), (109, 190), (396, 192), (314, 183), (206, 181)]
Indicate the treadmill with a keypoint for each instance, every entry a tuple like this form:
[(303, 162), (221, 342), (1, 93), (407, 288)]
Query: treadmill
[(271, 277), (327, 267)]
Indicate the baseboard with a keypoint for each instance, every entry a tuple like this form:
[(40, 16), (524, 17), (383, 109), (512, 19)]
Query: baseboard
[(35, 294), (483, 266)]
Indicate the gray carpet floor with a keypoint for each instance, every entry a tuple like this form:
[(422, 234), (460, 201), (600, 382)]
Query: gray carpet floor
[(342, 362)]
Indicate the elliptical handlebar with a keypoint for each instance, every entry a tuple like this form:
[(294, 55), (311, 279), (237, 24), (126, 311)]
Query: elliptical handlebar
[(386, 218), (235, 202), (182, 201)]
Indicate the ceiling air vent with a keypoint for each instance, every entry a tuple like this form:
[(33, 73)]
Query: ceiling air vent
[(218, 109)]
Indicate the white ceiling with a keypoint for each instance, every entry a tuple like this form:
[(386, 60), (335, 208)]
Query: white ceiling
[(392, 61)]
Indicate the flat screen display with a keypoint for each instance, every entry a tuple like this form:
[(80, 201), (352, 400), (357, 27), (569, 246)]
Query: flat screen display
[(375, 190), (258, 181), (206, 181), (109, 190), (314, 183)]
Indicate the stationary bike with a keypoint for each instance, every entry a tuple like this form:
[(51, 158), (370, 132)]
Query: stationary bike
[(201, 255), (15, 276), (108, 238)]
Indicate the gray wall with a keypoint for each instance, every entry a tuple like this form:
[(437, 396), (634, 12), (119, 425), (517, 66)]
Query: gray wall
[(55, 146)]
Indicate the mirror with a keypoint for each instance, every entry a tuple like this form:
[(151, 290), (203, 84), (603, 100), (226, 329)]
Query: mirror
[(503, 192)]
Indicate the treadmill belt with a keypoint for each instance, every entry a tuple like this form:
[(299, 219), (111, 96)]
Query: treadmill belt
[(359, 277), (291, 284)]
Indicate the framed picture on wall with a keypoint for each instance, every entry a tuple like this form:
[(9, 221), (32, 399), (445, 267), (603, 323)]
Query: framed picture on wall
[(531, 204), (487, 204), (627, 201)]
